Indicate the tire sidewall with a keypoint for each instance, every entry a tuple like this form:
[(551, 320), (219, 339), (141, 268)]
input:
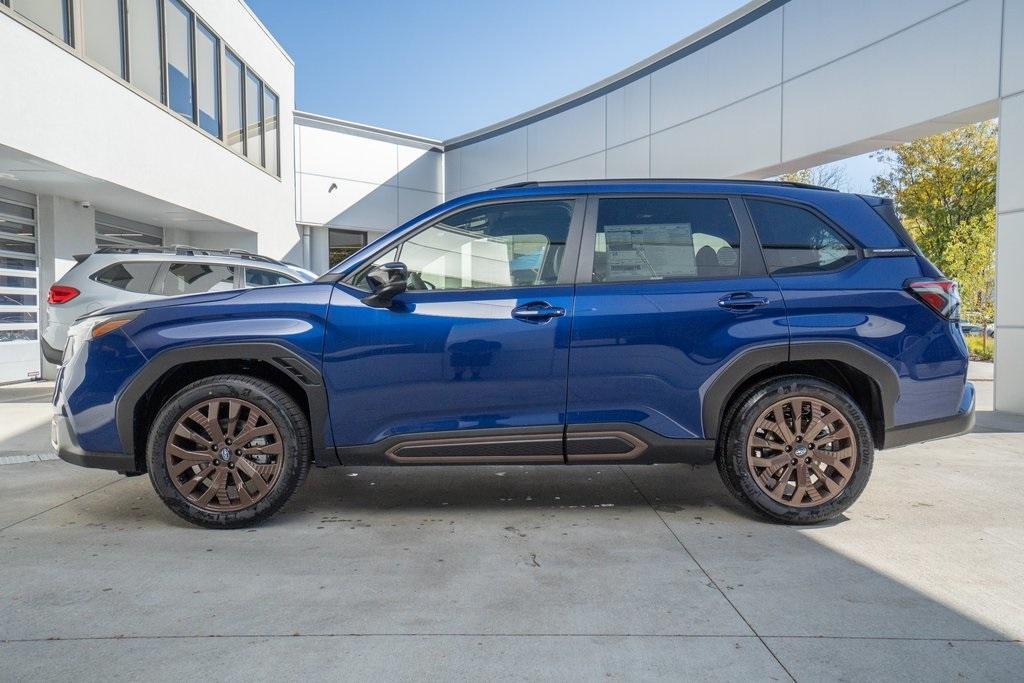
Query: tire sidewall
[(736, 470), (275, 403)]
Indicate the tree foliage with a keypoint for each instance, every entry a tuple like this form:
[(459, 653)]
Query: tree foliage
[(944, 187)]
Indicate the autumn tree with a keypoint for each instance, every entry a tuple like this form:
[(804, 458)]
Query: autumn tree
[(944, 187), (832, 176)]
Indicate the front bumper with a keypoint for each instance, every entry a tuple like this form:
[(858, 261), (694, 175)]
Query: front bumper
[(65, 443), (954, 425)]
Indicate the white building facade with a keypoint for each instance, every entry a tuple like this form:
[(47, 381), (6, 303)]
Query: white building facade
[(776, 86)]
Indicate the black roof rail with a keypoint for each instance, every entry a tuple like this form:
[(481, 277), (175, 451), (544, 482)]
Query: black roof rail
[(186, 250), (681, 181)]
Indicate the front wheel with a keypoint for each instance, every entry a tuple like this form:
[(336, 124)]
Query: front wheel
[(797, 450), (228, 451)]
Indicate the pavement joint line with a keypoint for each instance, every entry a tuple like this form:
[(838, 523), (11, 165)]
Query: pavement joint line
[(748, 636), (705, 571), (25, 458), (70, 500)]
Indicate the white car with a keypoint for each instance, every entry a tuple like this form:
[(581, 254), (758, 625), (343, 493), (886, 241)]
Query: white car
[(120, 275)]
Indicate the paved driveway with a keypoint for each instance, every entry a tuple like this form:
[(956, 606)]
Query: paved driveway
[(575, 573)]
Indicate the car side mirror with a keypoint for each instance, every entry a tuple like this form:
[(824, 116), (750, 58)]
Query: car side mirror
[(386, 282)]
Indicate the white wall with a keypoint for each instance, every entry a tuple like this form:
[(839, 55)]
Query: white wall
[(58, 108), (379, 178), (805, 83)]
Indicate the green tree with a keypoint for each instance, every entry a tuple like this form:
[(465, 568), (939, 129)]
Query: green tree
[(944, 187)]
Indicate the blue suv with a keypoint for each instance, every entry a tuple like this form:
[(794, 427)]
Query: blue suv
[(781, 331)]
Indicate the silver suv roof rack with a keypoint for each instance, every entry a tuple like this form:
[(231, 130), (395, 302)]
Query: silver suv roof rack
[(186, 250)]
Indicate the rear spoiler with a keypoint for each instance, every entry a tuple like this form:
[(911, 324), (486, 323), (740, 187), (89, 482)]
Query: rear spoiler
[(80, 257)]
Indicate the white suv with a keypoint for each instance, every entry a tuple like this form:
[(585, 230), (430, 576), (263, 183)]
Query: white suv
[(119, 275)]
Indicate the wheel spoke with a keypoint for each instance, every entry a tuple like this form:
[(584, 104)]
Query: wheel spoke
[(243, 493), (186, 433), (255, 432), (191, 456), (780, 424), (256, 478), (189, 486)]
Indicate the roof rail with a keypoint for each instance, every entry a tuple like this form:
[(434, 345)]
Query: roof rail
[(186, 250), (634, 181)]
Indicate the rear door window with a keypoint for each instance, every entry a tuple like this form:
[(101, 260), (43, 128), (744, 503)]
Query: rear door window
[(665, 238), (195, 278), (130, 277), (795, 240)]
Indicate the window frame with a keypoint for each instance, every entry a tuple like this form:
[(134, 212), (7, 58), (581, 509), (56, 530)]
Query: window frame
[(751, 261), (858, 249), (566, 272)]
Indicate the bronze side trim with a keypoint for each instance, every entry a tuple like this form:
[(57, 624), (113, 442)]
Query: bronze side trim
[(441, 451), (599, 442)]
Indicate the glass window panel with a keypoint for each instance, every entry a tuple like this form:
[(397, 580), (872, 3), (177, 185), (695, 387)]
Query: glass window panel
[(144, 47), (14, 263), (208, 80), (342, 244), (794, 240), (17, 246), (178, 44), (28, 281), (265, 278), (270, 133), (517, 244), (233, 123), (26, 317), (253, 117), (101, 26), (49, 15), (13, 227), (18, 335), (130, 277), (648, 238), (16, 210), (195, 278)]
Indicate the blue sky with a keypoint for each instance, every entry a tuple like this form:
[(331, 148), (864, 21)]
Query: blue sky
[(444, 67)]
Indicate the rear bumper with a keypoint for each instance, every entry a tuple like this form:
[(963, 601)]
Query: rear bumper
[(954, 425), (65, 442)]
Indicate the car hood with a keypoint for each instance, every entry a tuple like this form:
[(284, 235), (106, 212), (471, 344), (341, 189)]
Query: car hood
[(165, 302)]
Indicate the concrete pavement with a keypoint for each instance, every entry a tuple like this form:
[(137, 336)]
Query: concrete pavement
[(522, 573)]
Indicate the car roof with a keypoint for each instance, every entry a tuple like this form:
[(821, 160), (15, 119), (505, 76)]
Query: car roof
[(668, 184), (104, 258)]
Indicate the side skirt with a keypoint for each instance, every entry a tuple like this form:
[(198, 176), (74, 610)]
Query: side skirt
[(579, 444)]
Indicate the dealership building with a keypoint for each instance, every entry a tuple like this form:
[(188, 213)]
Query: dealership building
[(147, 122)]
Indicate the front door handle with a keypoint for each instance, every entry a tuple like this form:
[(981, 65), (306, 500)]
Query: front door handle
[(742, 301), (537, 312)]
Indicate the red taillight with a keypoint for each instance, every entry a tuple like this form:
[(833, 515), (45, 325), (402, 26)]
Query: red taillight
[(59, 294), (939, 294)]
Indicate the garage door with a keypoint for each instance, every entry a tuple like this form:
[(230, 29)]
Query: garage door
[(19, 305)]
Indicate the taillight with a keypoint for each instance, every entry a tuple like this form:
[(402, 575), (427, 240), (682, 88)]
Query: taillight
[(940, 295), (59, 294)]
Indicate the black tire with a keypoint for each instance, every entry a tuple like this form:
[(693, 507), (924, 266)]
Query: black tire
[(741, 419), (282, 411)]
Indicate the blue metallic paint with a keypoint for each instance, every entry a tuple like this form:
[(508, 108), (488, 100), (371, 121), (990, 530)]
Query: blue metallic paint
[(634, 352)]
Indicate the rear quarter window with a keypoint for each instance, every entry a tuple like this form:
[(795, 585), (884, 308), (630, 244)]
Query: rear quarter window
[(795, 240), (196, 278)]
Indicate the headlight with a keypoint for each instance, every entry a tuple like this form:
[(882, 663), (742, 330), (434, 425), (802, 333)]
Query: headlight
[(95, 326)]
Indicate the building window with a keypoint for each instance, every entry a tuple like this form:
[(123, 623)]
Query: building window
[(233, 103), (253, 117), (18, 295), (208, 80), (144, 61), (103, 34), (112, 231), (50, 15), (178, 44), (271, 151), (343, 243)]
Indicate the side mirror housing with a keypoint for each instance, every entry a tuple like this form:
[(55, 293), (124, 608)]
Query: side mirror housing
[(386, 282)]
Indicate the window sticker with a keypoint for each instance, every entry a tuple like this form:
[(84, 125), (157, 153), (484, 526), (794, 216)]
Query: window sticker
[(650, 251)]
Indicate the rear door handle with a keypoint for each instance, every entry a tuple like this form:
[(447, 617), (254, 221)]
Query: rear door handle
[(537, 312), (742, 301)]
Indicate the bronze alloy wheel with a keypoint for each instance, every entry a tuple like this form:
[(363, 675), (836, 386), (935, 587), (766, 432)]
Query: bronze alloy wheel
[(802, 451), (224, 454)]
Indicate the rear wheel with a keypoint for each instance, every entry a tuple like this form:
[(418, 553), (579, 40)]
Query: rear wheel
[(797, 450), (228, 451)]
